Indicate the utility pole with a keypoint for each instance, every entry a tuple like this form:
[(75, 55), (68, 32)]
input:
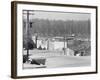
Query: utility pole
[(65, 40), (27, 14), (27, 34)]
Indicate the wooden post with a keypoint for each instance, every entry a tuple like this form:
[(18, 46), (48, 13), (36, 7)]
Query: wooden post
[(36, 38), (64, 45)]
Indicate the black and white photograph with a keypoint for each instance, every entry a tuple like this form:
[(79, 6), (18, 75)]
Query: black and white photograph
[(53, 39), (56, 39)]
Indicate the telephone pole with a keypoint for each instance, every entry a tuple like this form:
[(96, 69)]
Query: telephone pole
[(27, 14), (27, 33)]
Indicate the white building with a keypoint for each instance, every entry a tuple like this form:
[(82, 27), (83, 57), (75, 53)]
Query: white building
[(50, 43)]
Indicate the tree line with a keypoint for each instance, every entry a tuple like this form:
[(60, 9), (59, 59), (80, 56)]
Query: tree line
[(47, 27)]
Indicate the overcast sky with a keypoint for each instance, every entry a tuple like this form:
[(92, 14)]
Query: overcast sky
[(59, 15)]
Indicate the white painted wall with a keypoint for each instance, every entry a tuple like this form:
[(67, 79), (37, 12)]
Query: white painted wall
[(5, 41), (59, 45)]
